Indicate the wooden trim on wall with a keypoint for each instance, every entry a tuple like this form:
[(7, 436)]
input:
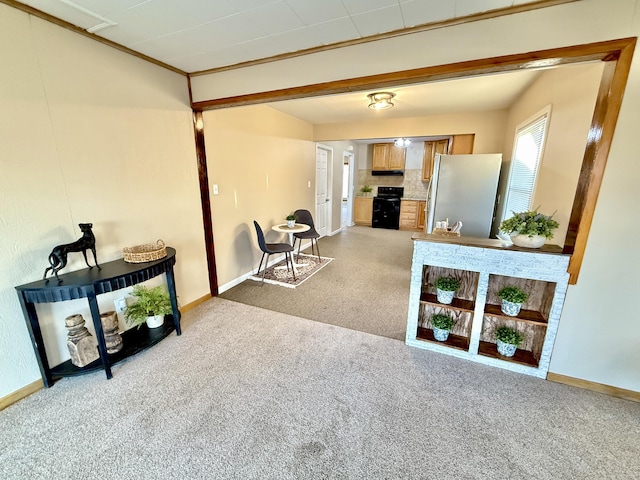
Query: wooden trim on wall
[(500, 12), (485, 66), (617, 56), (595, 387), (195, 303), (605, 116), (205, 200), (20, 394), (70, 26)]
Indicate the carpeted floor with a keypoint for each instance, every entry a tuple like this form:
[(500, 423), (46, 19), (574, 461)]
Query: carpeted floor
[(366, 287), (246, 393)]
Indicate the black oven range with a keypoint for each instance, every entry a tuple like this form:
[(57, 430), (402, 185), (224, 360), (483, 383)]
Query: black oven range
[(386, 208)]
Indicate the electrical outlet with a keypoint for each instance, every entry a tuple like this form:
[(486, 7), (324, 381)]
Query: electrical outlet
[(215, 189), (120, 304)]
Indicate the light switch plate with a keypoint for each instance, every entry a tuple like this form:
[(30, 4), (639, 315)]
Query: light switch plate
[(120, 304)]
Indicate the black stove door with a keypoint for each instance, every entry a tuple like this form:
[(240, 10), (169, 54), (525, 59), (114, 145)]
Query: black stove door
[(386, 213)]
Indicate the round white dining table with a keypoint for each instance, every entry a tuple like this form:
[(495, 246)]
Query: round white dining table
[(297, 228)]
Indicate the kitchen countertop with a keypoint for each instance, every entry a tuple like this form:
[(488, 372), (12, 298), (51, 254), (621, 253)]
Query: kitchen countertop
[(485, 243)]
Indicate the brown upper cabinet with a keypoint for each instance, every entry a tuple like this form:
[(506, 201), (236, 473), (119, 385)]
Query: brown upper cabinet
[(462, 144), (455, 145), (430, 150), (386, 156)]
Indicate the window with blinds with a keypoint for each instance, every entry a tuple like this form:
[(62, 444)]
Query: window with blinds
[(525, 161)]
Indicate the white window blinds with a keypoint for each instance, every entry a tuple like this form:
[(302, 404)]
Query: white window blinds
[(527, 152)]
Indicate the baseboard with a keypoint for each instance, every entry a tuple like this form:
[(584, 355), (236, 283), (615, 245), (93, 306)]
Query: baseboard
[(195, 303), (593, 386), (20, 394)]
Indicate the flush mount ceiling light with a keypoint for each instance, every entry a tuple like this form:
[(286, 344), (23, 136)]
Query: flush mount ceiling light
[(402, 142), (381, 100)]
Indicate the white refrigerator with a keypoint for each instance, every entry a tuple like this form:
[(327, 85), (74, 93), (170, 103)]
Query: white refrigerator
[(464, 188)]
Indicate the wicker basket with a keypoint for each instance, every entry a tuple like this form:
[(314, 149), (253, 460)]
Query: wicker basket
[(145, 253), (445, 233)]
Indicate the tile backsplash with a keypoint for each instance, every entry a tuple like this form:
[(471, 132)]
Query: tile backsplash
[(414, 187)]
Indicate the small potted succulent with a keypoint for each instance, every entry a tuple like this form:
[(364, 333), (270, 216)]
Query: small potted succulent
[(151, 305), (529, 229), (446, 288), (507, 341), (366, 190), (512, 300), (291, 220), (442, 324)]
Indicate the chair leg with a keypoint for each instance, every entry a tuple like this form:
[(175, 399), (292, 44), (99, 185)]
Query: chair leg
[(293, 269), (299, 245), (260, 266), (265, 267), (317, 248)]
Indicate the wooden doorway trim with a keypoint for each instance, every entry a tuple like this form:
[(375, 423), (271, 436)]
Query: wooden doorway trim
[(616, 54)]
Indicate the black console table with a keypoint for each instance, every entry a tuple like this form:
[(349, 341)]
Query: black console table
[(88, 283)]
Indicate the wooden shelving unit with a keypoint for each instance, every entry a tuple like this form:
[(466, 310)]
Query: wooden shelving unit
[(453, 341), (460, 309), (456, 304), (483, 270), (522, 357)]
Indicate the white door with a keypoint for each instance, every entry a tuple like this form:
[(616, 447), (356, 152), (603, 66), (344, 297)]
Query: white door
[(347, 189), (322, 200)]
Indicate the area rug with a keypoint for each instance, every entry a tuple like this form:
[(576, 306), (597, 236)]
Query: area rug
[(278, 274)]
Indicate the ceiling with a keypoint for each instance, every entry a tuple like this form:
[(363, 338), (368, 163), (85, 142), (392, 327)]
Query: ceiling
[(198, 35), (473, 94)]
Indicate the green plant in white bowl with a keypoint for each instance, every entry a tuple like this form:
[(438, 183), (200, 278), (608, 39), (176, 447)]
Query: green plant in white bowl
[(446, 288), (150, 306), (291, 220), (442, 324), (529, 229), (512, 300), (507, 340)]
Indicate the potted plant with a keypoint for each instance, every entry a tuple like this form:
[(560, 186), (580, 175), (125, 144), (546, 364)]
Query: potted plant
[(529, 229), (291, 220), (512, 300), (366, 189), (507, 340), (150, 306), (445, 288), (442, 325)]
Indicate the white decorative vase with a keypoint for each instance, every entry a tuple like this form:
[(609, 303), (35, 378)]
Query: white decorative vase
[(506, 349), (440, 334), (510, 308), (291, 223), (444, 296), (155, 321), (528, 242)]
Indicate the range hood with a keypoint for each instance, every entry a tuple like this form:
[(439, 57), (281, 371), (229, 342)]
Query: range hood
[(388, 173)]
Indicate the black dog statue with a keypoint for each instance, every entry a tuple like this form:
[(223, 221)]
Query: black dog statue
[(58, 256)]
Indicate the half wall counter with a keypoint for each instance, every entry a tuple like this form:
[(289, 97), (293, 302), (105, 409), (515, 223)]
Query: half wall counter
[(484, 267)]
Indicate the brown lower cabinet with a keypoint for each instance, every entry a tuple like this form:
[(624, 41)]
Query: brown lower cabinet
[(412, 214), (362, 210)]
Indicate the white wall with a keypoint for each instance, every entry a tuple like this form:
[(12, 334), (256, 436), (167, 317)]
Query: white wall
[(571, 92), (87, 134), (597, 340), (262, 161)]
